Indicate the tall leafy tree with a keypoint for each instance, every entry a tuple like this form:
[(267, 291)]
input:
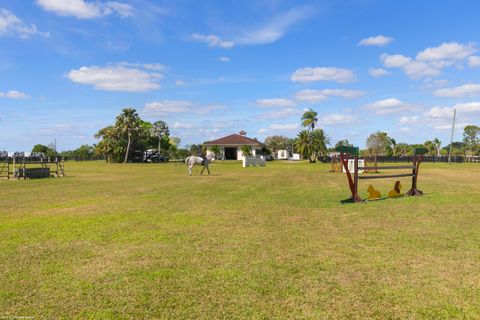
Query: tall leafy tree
[(109, 145), (343, 143), (128, 124), (431, 148), (378, 144), (161, 132), (216, 150), (471, 137), (275, 143), (174, 144), (402, 149)]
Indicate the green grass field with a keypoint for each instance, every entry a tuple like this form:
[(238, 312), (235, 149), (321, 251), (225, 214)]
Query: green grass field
[(147, 241)]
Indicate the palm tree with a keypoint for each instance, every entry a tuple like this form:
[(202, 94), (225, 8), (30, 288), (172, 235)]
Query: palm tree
[(309, 119), (319, 141), (246, 150), (394, 147), (127, 123), (303, 144)]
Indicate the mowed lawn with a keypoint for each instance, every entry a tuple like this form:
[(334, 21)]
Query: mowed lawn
[(147, 241)]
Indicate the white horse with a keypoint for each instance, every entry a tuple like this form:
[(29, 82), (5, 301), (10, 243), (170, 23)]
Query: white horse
[(193, 160)]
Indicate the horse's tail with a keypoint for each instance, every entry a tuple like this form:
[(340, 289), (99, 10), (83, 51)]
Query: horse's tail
[(186, 160)]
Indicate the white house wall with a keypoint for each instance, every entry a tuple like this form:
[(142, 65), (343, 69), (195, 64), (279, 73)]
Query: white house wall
[(239, 152)]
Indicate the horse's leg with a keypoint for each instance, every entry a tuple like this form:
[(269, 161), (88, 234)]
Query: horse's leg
[(190, 169)]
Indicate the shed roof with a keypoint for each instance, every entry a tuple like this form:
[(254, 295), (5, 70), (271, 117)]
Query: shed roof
[(233, 139)]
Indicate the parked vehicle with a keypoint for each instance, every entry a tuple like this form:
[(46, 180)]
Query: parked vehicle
[(152, 155)]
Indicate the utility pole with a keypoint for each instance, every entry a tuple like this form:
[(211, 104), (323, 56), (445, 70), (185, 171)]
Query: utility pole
[(451, 137)]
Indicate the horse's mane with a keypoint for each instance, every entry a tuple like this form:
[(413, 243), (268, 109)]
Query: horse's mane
[(210, 156)]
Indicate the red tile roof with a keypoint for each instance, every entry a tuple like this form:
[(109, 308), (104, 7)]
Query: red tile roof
[(233, 139)]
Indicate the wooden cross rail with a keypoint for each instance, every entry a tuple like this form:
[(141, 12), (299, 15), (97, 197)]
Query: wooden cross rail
[(347, 152), (387, 176), (387, 167)]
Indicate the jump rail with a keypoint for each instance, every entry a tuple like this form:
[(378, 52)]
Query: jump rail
[(346, 152)]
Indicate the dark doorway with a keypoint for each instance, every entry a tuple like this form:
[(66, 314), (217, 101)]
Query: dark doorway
[(230, 153)]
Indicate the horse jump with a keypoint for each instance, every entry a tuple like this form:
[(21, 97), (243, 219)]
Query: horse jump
[(193, 160), (346, 152)]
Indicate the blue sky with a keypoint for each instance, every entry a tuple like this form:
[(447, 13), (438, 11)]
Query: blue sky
[(212, 68)]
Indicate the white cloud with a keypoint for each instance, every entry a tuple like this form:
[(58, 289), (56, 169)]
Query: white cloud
[(224, 59), (323, 74), (440, 118), (419, 69), (474, 61), (209, 108), (180, 82), (154, 66), (437, 83), (180, 125), (213, 40), (377, 72), (275, 102), (466, 90), (310, 95), (443, 127), (447, 51), (59, 129), (387, 106), (337, 118), (405, 129), (409, 120), (469, 107), (11, 25), (284, 127), (440, 112), (116, 78), (281, 114), (275, 28), (13, 94), (379, 41), (431, 61), (394, 60), (447, 112), (414, 69), (343, 93), (82, 9), (268, 31), (164, 107)]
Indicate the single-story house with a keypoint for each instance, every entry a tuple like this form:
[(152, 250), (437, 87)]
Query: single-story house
[(230, 146)]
